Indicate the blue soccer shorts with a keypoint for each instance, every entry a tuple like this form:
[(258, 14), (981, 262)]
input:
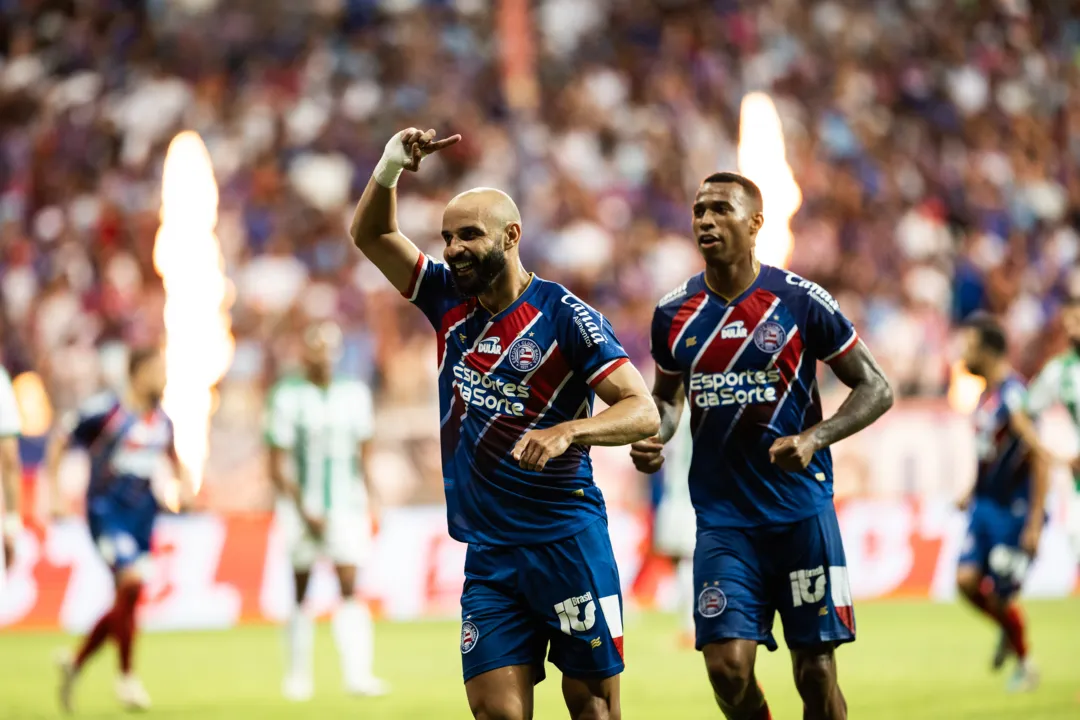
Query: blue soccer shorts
[(744, 576), (992, 544), (121, 533), (520, 600)]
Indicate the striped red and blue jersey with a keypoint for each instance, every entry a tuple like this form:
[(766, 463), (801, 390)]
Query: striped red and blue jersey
[(1004, 460), (749, 369), (126, 449), (533, 365)]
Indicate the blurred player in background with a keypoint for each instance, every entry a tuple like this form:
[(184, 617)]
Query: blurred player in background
[(10, 472), (1007, 505), (1059, 383), (675, 527), (520, 360), (129, 439), (742, 340), (319, 429)]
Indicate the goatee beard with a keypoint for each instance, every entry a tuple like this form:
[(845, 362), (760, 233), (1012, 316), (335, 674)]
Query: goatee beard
[(487, 270)]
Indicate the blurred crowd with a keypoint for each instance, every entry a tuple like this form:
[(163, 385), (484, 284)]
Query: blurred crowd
[(936, 144)]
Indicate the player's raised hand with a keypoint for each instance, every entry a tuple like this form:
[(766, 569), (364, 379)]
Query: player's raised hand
[(648, 455), (792, 453), (536, 447)]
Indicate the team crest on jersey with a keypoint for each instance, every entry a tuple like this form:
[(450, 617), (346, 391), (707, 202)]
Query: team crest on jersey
[(469, 636), (524, 355), (490, 346), (769, 337), (711, 602)]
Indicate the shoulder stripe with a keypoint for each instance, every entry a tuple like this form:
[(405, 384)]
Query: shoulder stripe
[(413, 289), (684, 317)]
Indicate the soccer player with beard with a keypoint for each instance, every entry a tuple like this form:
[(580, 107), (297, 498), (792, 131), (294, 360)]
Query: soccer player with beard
[(1059, 383), (520, 360), (128, 438), (1006, 508), (742, 341)]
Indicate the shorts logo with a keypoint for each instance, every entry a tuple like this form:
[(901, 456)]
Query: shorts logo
[(769, 337), (1009, 563), (490, 346), (711, 602), (469, 636), (807, 586), (524, 355), (569, 612)]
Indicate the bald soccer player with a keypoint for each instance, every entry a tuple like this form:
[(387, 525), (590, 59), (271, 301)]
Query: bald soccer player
[(520, 361)]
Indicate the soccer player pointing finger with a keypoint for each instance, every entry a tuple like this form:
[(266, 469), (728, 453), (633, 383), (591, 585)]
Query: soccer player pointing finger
[(520, 361), (740, 342)]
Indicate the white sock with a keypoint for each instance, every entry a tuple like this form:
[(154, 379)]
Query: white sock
[(299, 644), (354, 636), (684, 579)]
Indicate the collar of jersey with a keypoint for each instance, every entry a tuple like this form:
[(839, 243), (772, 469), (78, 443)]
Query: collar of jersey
[(741, 296), (514, 305)]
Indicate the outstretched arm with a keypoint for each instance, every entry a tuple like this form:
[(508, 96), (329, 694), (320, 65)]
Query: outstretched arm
[(374, 226), (870, 397), (668, 395), (630, 416)]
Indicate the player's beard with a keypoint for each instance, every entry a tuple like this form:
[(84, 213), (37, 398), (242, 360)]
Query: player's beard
[(484, 272)]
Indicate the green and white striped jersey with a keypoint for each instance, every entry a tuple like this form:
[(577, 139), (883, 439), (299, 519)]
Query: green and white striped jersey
[(1058, 382), (322, 429)]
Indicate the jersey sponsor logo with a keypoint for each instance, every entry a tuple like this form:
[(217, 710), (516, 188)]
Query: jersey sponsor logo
[(524, 355), (586, 323), (818, 293), (769, 336), (711, 602), (744, 387), (469, 637), (733, 331), (570, 614), (490, 346), (807, 586), (674, 294), (492, 393)]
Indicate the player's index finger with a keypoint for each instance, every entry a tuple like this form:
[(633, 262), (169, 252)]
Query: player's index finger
[(436, 145)]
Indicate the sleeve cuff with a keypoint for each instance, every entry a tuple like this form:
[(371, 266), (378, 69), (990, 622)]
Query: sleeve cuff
[(843, 349), (413, 289), (606, 369)]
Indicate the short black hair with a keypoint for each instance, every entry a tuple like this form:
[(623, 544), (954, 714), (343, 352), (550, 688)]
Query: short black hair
[(140, 356), (748, 185), (991, 334)]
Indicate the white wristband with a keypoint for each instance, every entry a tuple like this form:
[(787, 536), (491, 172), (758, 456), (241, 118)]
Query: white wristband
[(392, 163), (13, 524)]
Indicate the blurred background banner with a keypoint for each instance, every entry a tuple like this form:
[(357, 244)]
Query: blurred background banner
[(934, 149)]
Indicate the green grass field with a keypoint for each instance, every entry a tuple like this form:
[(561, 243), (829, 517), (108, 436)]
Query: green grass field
[(913, 660)]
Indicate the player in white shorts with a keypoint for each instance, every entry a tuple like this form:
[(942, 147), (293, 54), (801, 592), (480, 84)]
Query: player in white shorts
[(10, 473), (1059, 383), (675, 528), (317, 428)]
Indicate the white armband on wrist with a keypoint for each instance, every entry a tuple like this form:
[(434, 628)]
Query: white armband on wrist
[(386, 173), (13, 524)]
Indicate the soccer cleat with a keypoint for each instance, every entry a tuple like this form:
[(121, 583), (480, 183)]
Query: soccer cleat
[(1003, 652), (371, 687), (131, 693), (66, 664), (297, 689), (1025, 679)]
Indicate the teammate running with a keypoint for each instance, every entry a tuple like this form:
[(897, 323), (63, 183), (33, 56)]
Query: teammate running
[(128, 439), (743, 340), (10, 472), (1059, 382), (519, 362), (1007, 505), (319, 428)]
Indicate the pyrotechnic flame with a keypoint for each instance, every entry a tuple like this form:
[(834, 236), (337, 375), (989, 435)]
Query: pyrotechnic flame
[(198, 342), (762, 158), (964, 389)]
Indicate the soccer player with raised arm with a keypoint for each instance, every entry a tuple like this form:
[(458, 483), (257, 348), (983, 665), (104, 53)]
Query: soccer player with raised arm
[(128, 438), (1006, 508), (520, 360), (741, 341), (319, 429), (10, 471)]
